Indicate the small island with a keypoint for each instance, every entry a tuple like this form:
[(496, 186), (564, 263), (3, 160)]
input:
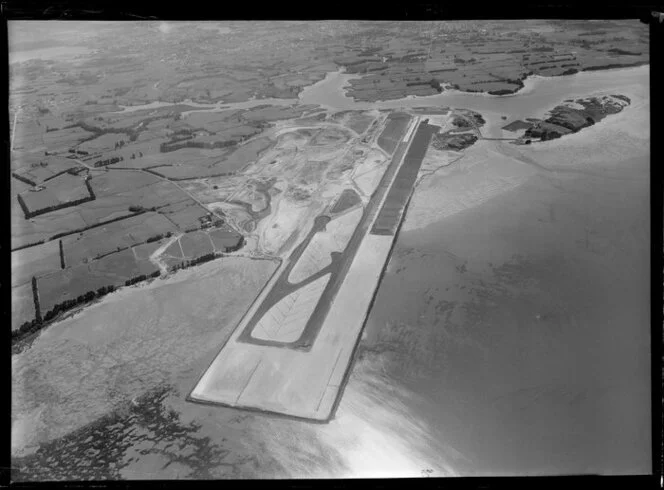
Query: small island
[(569, 117)]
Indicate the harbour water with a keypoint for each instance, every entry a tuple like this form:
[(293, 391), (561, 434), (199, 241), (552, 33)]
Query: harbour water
[(521, 327)]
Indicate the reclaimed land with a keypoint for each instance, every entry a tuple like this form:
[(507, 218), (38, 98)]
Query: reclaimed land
[(392, 211), (394, 131), (257, 375)]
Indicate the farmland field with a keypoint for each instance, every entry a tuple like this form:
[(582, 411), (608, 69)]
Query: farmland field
[(118, 182), (114, 236), (38, 167), (59, 192), (172, 262), (65, 138), (105, 208), (224, 239), (120, 264), (174, 250), (42, 227), (271, 114), (196, 244), (34, 261), (144, 251), (185, 214), (70, 283), (23, 305), (103, 143)]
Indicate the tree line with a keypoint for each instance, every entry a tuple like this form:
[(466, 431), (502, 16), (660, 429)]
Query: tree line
[(108, 161), (188, 143), (39, 322), (31, 214)]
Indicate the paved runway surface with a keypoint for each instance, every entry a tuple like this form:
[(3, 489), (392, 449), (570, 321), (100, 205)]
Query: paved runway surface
[(306, 383)]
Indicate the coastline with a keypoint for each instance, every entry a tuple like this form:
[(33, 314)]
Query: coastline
[(490, 169), (23, 337), (340, 87), (334, 97)]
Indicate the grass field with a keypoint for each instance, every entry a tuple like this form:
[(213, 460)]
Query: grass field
[(196, 244), (34, 261), (113, 236), (23, 305), (65, 138), (224, 239), (394, 130), (202, 163), (347, 200), (214, 121), (38, 167), (174, 250), (114, 269), (69, 284), (59, 191), (42, 227), (359, 122), (118, 182), (103, 143), (271, 113), (143, 252), (105, 209), (120, 264), (185, 214)]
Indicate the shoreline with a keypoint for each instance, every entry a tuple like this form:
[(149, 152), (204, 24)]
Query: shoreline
[(528, 83), (23, 339)]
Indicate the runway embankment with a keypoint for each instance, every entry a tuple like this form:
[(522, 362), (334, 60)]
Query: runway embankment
[(308, 384)]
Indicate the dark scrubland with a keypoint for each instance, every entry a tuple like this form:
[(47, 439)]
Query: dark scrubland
[(517, 125), (565, 119)]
